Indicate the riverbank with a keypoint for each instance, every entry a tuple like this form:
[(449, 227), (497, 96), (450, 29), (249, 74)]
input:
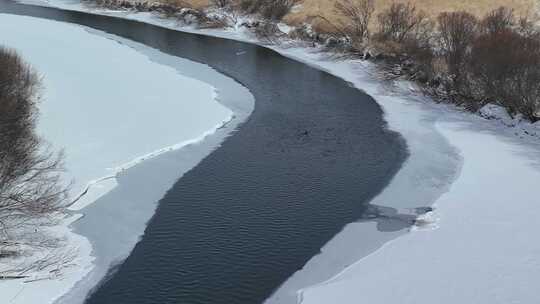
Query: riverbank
[(466, 250), (482, 250)]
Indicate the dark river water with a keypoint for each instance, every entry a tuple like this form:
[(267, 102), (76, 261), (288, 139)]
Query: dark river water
[(305, 164)]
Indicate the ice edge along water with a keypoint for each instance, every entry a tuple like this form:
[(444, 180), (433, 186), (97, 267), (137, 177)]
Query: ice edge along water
[(46, 288), (106, 183), (483, 250)]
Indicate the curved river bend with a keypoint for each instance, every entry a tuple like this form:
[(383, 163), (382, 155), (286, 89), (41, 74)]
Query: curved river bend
[(306, 163)]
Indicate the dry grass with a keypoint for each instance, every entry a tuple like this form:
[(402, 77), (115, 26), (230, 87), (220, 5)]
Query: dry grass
[(309, 9), (197, 4)]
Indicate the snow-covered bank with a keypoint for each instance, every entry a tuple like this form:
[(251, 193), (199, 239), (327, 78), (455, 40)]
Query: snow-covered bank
[(69, 265), (483, 250), (102, 104), (476, 246)]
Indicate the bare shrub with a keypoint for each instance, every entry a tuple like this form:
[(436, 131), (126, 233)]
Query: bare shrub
[(277, 9), (498, 20), (457, 32), (169, 8), (53, 258), (30, 186), (527, 28), (405, 38), (268, 9), (398, 21), (358, 16), (222, 3), (176, 3), (420, 49), (506, 66), (267, 32), (251, 6)]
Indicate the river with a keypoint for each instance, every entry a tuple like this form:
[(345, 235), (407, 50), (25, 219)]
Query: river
[(307, 161)]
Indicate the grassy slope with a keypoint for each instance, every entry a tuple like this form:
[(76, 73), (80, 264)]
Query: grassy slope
[(432, 7), (198, 3), (310, 8)]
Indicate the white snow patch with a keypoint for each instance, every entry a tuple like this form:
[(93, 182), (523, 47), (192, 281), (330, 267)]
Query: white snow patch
[(72, 263), (284, 27), (483, 251), (427, 221), (492, 111), (521, 126)]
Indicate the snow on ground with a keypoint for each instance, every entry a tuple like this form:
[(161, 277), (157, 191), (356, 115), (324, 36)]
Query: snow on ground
[(484, 250), (476, 247), (102, 104), (71, 263), (518, 123)]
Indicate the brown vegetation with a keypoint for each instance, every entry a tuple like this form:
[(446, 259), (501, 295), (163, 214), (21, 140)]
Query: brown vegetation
[(463, 58), (399, 21), (505, 67), (268, 9), (432, 8), (358, 14), (494, 59), (458, 31)]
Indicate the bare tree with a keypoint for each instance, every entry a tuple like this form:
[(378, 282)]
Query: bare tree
[(498, 20), (527, 28), (398, 21), (506, 67), (358, 16), (222, 3), (268, 9), (457, 32), (267, 33), (30, 186)]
